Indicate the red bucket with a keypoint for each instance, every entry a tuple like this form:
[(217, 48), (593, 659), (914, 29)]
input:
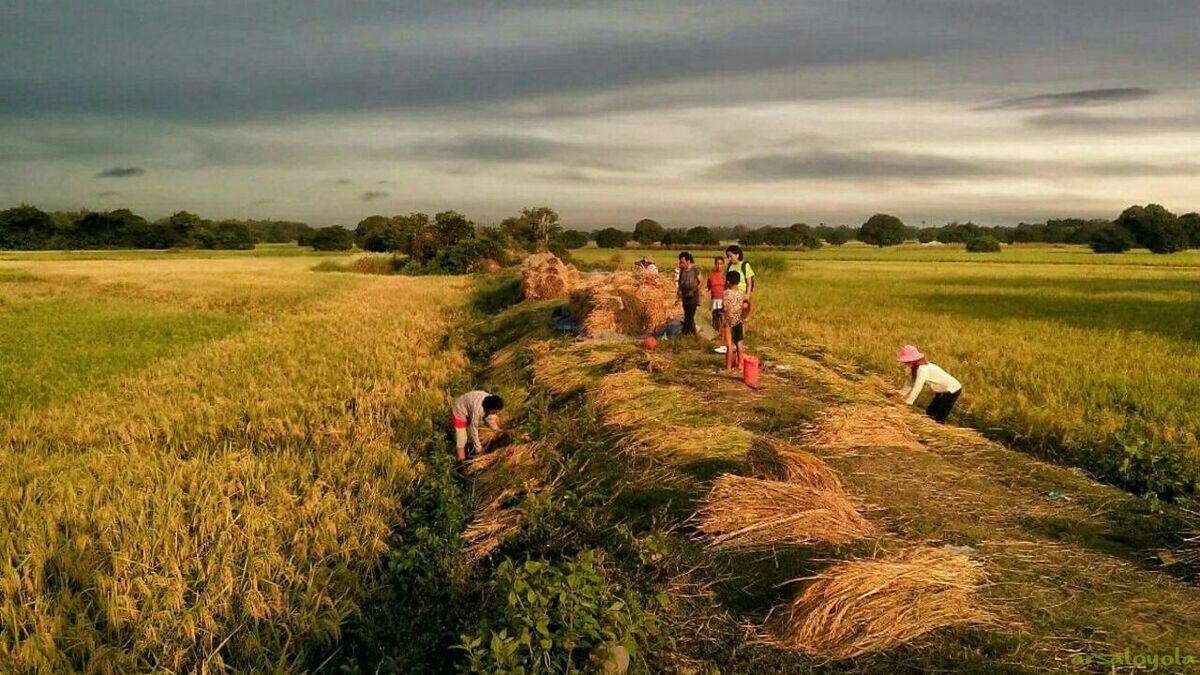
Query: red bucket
[(649, 343), (750, 371)]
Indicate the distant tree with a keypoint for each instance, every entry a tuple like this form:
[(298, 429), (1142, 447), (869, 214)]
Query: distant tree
[(611, 237), (882, 230), (984, 243), (806, 236), (1155, 228), (648, 231), (25, 227), (535, 229), (572, 239), (333, 238), (373, 233), (452, 227), (1190, 222), (838, 236), (1111, 239), (958, 233), (701, 236), (676, 236)]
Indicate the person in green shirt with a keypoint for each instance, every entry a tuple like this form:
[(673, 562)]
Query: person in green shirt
[(737, 263)]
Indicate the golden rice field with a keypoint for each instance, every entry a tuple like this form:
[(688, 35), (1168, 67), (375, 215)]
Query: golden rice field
[(1059, 349), (215, 458)]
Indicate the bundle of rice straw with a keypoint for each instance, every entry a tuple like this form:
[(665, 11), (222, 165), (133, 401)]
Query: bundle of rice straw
[(622, 302), (659, 419), (782, 460), (861, 426), (493, 522), (543, 276), (863, 606), (751, 513)]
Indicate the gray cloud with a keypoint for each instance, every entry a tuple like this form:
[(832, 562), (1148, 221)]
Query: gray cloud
[(121, 172), (342, 181), (824, 164), (1111, 124), (494, 148), (108, 193), (263, 201), (372, 196), (1072, 99)]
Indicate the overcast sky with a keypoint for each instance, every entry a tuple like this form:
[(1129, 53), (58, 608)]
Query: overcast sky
[(688, 112)]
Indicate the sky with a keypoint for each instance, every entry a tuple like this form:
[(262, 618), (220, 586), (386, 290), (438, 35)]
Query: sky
[(712, 113)]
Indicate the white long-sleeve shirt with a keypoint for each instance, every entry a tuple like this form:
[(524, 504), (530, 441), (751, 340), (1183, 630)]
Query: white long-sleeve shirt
[(469, 408), (938, 380)]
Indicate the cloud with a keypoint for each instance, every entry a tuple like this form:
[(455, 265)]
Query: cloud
[(1072, 99), (121, 172), (1111, 124), (263, 201), (108, 193), (824, 164), (372, 196), (494, 148), (342, 181)]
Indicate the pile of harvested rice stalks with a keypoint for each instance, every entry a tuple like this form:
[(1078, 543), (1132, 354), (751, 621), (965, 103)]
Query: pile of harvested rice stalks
[(661, 420), (784, 461), (861, 426), (864, 606), (493, 523), (544, 276), (751, 513), (626, 303)]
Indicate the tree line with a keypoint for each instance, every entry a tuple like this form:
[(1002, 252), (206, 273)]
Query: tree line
[(30, 229)]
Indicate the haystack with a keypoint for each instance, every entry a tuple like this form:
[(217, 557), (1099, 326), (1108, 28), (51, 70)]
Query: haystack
[(544, 276), (784, 461), (751, 513), (864, 606), (622, 302), (861, 426)]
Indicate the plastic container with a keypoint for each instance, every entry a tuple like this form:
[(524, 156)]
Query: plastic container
[(750, 371), (650, 343)]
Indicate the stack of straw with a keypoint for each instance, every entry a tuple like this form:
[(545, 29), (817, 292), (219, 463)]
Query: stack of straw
[(786, 462), (864, 606), (622, 302), (544, 276), (751, 513), (492, 524), (861, 426)]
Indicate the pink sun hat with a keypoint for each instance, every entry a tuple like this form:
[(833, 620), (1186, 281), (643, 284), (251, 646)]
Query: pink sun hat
[(908, 354)]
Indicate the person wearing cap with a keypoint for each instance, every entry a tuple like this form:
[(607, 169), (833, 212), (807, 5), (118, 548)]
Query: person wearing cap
[(945, 388), (468, 412)]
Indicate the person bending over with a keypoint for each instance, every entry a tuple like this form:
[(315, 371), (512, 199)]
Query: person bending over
[(921, 372), (468, 412)]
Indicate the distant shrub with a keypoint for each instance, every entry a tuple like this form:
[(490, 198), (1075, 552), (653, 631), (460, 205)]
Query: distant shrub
[(1111, 239), (985, 243), (882, 230), (376, 264), (1155, 228), (611, 237), (330, 266), (335, 238), (572, 239)]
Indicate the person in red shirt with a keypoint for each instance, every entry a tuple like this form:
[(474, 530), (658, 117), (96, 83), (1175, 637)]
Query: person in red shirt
[(716, 289)]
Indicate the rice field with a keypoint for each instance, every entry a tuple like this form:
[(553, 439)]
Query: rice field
[(1088, 358), (202, 462)]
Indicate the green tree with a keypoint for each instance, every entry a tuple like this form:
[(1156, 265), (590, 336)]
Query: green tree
[(1154, 227), (373, 233), (648, 231), (334, 238), (701, 236), (1190, 222), (611, 237), (984, 243), (882, 230), (535, 229), (25, 227), (1111, 239), (806, 236), (572, 239), (452, 227)]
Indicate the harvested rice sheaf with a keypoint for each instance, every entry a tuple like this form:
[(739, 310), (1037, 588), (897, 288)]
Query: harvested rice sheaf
[(544, 276), (660, 420), (744, 512), (630, 304), (864, 606), (861, 426), (493, 523), (784, 461)]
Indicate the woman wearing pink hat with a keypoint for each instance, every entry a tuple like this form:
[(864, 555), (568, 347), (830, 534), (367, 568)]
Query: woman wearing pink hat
[(921, 372)]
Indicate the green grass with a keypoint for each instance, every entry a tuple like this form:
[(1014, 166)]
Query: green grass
[(56, 348)]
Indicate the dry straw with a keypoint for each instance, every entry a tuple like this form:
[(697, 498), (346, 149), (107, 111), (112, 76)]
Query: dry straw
[(493, 523), (630, 304), (659, 419), (863, 606), (752, 513), (544, 276), (861, 426), (782, 460)]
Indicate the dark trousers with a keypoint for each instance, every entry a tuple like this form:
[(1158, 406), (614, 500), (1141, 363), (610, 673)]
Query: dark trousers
[(689, 314), (941, 405)]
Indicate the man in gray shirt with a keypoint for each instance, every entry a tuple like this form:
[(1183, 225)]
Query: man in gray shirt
[(468, 412)]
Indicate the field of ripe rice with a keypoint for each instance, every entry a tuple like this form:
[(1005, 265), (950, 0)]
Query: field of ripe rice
[(204, 460), (1091, 359)]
